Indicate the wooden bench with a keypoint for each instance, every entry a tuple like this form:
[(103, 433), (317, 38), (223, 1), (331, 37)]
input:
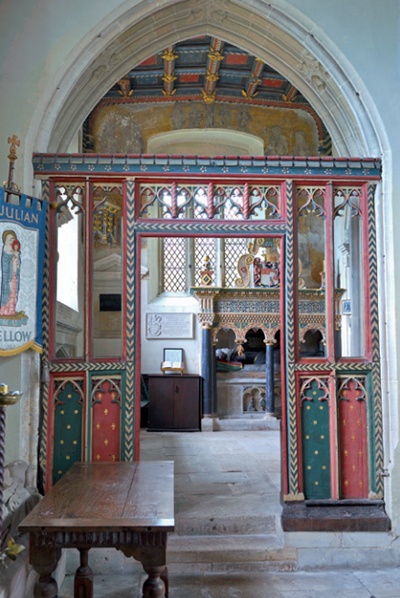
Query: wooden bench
[(125, 505)]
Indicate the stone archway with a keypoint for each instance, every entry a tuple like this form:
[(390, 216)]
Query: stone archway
[(132, 36), (278, 35)]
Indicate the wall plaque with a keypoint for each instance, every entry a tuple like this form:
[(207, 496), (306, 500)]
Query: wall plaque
[(172, 325)]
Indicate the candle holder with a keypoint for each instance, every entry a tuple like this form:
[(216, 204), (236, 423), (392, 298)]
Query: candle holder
[(8, 398)]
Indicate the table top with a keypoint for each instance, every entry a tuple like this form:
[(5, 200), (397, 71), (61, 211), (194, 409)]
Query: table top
[(115, 496)]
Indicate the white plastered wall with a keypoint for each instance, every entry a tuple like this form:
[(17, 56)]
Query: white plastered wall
[(57, 59)]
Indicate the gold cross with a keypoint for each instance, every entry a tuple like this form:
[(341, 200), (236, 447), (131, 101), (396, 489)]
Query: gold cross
[(15, 142)]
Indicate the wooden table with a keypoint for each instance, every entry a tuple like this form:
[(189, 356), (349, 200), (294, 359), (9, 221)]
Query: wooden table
[(125, 505)]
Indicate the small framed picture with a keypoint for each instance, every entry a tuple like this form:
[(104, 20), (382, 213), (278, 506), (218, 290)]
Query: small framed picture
[(346, 307)]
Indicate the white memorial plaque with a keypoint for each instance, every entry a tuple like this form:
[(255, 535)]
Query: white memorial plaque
[(173, 325)]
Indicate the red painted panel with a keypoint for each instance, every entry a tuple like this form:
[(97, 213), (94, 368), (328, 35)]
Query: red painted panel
[(149, 61), (236, 58), (106, 422), (353, 441), (272, 83), (189, 78)]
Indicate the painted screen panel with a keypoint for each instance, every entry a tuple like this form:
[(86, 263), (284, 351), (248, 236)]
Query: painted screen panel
[(315, 439), (68, 424)]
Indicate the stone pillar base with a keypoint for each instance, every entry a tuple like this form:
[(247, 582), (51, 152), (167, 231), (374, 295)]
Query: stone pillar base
[(209, 423)]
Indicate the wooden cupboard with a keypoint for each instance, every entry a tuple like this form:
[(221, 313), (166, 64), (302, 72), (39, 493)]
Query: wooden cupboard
[(174, 402)]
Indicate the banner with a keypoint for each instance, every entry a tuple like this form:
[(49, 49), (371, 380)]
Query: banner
[(22, 238)]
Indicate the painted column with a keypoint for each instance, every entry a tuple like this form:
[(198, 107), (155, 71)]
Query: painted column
[(207, 362), (214, 379), (269, 377)]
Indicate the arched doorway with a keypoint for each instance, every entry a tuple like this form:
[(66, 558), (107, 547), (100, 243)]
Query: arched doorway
[(106, 68)]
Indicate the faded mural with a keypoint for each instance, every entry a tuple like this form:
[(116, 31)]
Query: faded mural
[(127, 127)]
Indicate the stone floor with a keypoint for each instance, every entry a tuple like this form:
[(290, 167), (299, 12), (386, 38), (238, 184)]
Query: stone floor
[(228, 542), (344, 584)]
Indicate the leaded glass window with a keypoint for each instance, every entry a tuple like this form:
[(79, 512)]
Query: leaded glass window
[(234, 248), (174, 265)]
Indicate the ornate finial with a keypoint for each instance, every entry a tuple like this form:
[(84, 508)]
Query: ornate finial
[(15, 142)]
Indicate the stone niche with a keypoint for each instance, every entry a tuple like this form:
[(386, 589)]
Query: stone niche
[(240, 394)]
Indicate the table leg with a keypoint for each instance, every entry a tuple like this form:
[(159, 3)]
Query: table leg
[(83, 584), (153, 559), (154, 586), (164, 577), (44, 561)]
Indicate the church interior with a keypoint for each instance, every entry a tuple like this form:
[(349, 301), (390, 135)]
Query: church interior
[(215, 290)]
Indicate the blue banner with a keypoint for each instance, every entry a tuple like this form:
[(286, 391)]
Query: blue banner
[(22, 238)]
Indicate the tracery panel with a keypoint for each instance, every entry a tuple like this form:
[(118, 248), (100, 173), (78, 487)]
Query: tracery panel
[(211, 200)]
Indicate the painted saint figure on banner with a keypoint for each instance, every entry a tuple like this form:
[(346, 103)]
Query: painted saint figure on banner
[(10, 270)]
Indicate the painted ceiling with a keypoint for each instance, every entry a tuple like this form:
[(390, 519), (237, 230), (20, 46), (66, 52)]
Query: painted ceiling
[(206, 68), (200, 77)]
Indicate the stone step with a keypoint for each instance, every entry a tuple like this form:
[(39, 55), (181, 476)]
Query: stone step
[(238, 525), (229, 552), (247, 422)]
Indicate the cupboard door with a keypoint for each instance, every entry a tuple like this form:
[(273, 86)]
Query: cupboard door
[(174, 402), (161, 406), (186, 403)]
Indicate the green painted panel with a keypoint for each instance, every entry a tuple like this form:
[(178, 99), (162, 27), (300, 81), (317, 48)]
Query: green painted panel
[(315, 443), (67, 427)]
